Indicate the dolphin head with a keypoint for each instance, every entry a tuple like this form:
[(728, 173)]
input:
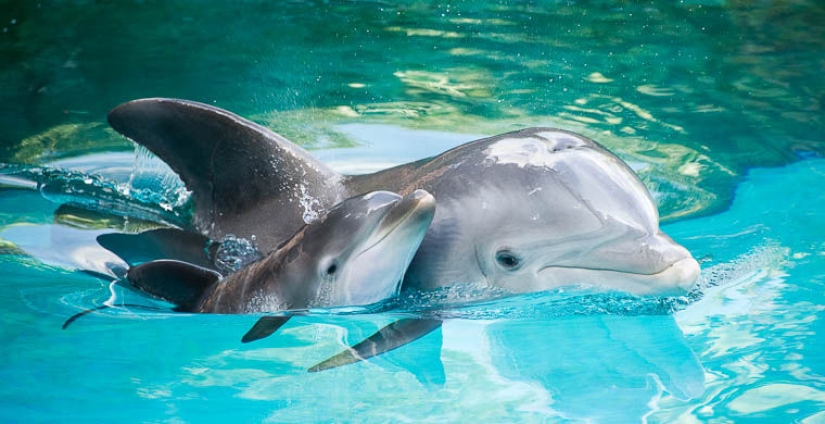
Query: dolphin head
[(357, 252), (549, 209)]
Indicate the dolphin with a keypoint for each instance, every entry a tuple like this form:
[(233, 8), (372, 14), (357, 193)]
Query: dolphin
[(355, 254), (531, 210)]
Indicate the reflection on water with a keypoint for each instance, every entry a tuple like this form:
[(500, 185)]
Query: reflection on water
[(757, 334), (601, 368)]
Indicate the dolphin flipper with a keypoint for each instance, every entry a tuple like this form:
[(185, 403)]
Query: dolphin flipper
[(161, 243), (265, 327), (177, 282), (384, 340), (234, 167), (423, 362)]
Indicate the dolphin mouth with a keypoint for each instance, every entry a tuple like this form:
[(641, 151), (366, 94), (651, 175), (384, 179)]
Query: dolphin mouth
[(676, 279), (415, 207)]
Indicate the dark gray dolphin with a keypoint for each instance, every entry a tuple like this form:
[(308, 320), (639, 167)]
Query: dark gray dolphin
[(525, 211), (355, 254)]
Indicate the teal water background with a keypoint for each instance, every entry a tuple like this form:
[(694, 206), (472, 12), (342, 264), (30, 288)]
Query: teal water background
[(717, 105)]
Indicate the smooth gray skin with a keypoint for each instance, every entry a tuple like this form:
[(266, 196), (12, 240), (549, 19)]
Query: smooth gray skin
[(354, 255), (526, 211)]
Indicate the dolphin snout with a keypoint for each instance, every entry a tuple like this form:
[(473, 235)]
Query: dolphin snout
[(670, 251), (417, 208), (670, 262), (648, 255), (685, 273), (652, 264), (422, 199), (419, 201)]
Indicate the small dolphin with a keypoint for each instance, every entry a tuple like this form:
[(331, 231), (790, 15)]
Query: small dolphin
[(525, 211), (353, 255)]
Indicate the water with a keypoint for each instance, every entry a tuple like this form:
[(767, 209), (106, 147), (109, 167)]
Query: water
[(717, 106)]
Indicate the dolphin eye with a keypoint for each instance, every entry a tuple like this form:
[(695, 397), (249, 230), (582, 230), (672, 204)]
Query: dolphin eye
[(329, 269), (508, 260)]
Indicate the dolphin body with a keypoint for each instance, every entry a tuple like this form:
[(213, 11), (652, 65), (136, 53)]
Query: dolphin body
[(355, 254), (531, 210)]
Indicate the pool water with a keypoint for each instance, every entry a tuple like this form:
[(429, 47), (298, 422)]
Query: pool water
[(716, 105)]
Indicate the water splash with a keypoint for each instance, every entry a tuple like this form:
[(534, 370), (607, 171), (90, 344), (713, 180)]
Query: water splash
[(234, 253), (461, 301), (311, 206), (457, 302), (151, 176), (99, 194)]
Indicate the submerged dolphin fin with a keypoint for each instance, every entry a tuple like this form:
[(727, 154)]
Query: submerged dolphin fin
[(233, 166), (162, 243), (265, 327), (384, 340), (177, 282)]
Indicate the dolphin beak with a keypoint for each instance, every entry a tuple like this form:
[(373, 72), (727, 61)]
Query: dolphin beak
[(653, 266), (414, 213), (684, 273), (417, 206)]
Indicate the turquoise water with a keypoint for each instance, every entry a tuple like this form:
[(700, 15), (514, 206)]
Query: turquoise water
[(717, 106), (749, 349)]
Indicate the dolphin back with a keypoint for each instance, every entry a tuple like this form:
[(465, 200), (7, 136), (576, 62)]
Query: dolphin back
[(232, 165)]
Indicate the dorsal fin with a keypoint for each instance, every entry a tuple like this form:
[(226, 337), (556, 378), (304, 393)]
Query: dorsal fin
[(233, 166), (177, 282)]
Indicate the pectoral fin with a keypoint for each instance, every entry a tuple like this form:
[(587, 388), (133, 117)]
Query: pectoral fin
[(265, 327), (174, 281), (386, 339), (161, 243)]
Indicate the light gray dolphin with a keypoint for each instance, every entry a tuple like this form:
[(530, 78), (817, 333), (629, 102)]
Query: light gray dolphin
[(355, 254), (531, 210)]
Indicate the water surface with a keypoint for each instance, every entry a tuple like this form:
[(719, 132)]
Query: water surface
[(717, 106)]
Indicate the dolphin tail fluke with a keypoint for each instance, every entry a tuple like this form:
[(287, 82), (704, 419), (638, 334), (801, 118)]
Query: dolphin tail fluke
[(265, 327), (216, 152), (161, 243), (384, 340), (177, 282)]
